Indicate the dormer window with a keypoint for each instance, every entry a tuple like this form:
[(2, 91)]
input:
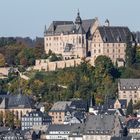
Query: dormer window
[(123, 87), (105, 39), (119, 39)]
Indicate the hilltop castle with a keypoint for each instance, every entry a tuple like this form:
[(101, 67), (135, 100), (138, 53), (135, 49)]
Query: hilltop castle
[(83, 38)]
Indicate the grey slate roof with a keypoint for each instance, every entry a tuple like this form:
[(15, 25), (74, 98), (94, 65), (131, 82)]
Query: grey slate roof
[(122, 138), (129, 84), (68, 27), (60, 106), (59, 127), (112, 34), (133, 123), (100, 124), (16, 101), (87, 24)]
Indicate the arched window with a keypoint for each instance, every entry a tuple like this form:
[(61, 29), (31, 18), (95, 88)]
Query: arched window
[(79, 40)]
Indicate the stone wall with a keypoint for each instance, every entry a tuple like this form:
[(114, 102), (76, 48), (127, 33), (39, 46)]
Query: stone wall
[(45, 65)]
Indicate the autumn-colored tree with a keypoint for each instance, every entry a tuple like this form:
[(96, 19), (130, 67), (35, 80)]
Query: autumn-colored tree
[(9, 119), (2, 60)]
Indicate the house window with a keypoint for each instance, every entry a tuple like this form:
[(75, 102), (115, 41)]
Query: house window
[(135, 96), (107, 50), (99, 50), (94, 51)]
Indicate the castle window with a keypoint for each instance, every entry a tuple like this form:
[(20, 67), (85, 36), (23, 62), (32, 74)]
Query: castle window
[(83, 39), (99, 50), (79, 40), (124, 96), (94, 45), (94, 51), (119, 45), (119, 50), (113, 45), (107, 50), (107, 44), (113, 51)]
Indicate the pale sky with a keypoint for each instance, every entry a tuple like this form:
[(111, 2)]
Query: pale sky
[(28, 17)]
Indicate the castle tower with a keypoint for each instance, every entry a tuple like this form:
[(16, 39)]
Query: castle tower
[(78, 20)]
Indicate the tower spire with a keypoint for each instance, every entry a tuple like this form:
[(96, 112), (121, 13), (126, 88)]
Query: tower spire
[(78, 18), (45, 30)]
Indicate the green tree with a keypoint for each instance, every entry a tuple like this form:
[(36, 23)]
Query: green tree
[(55, 57), (129, 110), (130, 56), (2, 60), (9, 119)]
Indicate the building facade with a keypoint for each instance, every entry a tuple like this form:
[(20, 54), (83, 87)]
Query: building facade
[(66, 112), (129, 89), (19, 105), (34, 118), (71, 39), (110, 41), (83, 39)]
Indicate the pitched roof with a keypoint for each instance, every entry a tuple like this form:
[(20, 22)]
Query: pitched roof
[(129, 84), (112, 34), (60, 106), (59, 127), (122, 138), (133, 123), (100, 123), (16, 101), (87, 24), (68, 27)]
